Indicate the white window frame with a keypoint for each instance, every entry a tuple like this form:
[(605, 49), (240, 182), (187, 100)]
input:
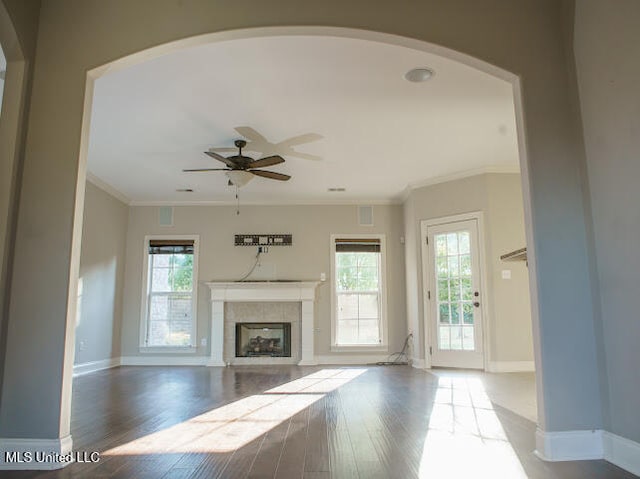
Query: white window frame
[(144, 310), (383, 346)]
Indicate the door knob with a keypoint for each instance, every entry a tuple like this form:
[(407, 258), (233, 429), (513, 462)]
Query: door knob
[(476, 304)]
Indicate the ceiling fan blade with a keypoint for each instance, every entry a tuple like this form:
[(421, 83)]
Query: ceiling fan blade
[(304, 156), (251, 134), (221, 158), (208, 169), (270, 174), (301, 139), (266, 161)]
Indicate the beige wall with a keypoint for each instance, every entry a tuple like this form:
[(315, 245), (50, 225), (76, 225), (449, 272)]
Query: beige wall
[(102, 266), (607, 54), (510, 312), (499, 197), (220, 260), (18, 36)]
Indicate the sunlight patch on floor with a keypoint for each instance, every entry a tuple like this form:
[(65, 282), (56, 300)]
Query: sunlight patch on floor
[(236, 424), (465, 437)]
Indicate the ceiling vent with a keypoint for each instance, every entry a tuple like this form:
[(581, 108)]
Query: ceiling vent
[(365, 215), (165, 216)]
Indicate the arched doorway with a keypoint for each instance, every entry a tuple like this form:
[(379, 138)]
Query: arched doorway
[(379, 38), (551, 167)]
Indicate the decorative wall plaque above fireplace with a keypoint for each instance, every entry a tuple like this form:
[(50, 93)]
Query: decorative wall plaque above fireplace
[(263, 339)]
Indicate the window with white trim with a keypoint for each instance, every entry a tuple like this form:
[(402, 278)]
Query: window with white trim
[(170, 302), (358, 291)]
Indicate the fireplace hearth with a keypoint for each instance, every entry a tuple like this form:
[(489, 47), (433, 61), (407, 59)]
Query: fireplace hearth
[(263, 339)]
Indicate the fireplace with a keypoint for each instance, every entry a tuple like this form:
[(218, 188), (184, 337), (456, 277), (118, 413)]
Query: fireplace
[(234, 303), (263, 339)]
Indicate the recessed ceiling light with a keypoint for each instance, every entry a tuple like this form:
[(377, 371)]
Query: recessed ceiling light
[(334, 190), (418, 75), (184, 190)]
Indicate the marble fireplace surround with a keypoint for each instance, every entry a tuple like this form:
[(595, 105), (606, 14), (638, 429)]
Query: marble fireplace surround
[(224, 316)]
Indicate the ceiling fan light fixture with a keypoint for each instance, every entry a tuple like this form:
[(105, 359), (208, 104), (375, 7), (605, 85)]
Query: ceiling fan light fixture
[(419, 75), (239, 177)]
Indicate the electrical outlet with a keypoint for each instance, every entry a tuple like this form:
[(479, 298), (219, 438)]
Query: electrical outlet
[(83, 346), (203, 342), (323, 277)]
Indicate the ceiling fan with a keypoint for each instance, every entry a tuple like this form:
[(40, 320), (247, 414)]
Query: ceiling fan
[(258, 143), (241, 169)]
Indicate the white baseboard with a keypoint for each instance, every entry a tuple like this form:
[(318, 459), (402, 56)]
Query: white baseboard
[(351, 358), (164, 360), (586, 445), (35, 454), (622, 452), (569, 445), (510, 366), (93, 366), (214, 363)]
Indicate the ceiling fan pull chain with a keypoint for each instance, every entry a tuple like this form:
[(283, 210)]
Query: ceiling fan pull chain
[(237, 201)]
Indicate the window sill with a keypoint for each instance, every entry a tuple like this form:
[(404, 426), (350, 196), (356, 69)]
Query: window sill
[(383, 348), (168, 349)]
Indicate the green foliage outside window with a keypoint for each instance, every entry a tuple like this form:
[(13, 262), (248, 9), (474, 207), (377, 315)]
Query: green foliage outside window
[(181, 274), (357, 271)]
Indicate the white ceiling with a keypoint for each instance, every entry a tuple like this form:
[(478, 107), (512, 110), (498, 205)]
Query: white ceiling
[(380, 133)]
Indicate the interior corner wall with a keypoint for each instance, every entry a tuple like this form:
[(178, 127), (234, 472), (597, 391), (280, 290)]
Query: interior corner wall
[(308, 257), (499, 197), (18, 35), (102, 266), (607, 55)]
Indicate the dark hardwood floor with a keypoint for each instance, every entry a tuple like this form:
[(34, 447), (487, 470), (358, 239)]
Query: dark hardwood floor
[(299, 422)]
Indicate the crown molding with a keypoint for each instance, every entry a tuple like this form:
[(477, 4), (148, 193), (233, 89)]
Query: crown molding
[(396, 200), (509, 169), (107, 188), (337, 202)]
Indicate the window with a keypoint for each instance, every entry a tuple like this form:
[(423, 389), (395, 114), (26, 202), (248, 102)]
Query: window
[(359, 302), (170, 293)]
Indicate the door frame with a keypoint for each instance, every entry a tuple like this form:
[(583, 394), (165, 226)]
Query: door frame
[(426, 282)]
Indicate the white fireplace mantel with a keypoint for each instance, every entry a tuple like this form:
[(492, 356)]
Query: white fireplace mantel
[(265, 291)]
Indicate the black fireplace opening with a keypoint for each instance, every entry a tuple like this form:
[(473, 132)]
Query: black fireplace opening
[(263, 339)]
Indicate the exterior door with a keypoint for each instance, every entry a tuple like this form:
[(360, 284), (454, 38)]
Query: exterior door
[(453, 294)]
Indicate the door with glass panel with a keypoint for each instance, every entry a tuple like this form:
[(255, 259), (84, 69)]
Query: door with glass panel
[(453, 294)]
